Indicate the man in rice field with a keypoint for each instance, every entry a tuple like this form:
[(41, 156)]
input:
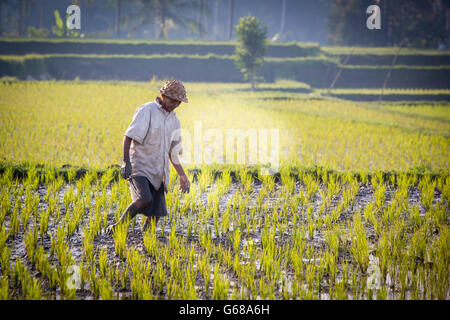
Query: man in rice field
[(151, 140)]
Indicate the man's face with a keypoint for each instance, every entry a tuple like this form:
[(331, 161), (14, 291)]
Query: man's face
[(170, 103)]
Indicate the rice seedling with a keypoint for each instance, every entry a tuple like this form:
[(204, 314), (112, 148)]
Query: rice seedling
[(4, 288), (43, 223), (120, 236), (359, 246), (221, 285), (31, 243), (31, 289), (102, 261), (427, 187), (5, 256)]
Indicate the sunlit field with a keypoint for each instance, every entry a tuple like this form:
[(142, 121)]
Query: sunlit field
[(83, 124), (358, 210)]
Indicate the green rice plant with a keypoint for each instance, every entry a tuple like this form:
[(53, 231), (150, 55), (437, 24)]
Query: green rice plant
[(83, 274), (312, 185), (226, 257), (135, 261), (418, 244), (310, 275), (124, 277), (106, 292), (364, 177), (440, 214), (205, 179), (262, 194), (103, 262), (5, 256), (52, 277), (237, 267), (268, 182), (340, 292), (403, 274), (445, 188), (63, 253), (71, 174), (43, 223), (4, 235), (14, 224), (359, 245), (32, 180), (427, 192), (354, 285), (345, 273), (263, 289), (158, 276), (311, 228), (236, 240), (150, 239), (4, 288), (379, 195), (288, 182), (205, 270), (26, 214), (17, 272), (30, 240), (31, 288), (226, 179), (146, 292), (332, 238), (382, 293), (88, 247), (383, 253), (221, 285), (331, 267), (415, 219), (94, 283), (120, 237)]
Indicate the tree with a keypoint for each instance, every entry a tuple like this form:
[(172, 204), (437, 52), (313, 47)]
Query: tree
[(230, 19), (167, 14), (415, 23), (119, 18), (251, 47)]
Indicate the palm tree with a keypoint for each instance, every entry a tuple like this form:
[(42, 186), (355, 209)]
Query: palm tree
[(230, 19), (118, 6), (167, 13)]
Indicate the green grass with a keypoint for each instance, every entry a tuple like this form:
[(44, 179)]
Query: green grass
[(382, 51)]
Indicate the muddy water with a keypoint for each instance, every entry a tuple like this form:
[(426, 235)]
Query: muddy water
[(364, 196)]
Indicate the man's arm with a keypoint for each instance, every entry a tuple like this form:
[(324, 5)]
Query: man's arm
[(177, 165), (126, 148), (125, 171), (184, 180)]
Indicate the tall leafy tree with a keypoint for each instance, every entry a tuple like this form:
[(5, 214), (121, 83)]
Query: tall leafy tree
[(167, 14), (119, 17), (230, 18), (251, 47), (417, 23)]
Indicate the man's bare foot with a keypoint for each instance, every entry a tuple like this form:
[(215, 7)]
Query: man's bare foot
[(110, 229), (146, 225)]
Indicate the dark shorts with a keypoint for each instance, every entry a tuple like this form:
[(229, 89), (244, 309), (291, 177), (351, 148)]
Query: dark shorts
[(141, 188)]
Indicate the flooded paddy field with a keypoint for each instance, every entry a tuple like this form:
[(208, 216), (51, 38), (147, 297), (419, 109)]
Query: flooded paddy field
[(308, 236)]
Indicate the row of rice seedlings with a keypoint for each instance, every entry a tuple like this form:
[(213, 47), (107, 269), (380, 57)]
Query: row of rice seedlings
[(30, 287), (246, 272)]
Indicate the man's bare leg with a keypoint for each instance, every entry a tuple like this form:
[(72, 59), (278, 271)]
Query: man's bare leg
[(148, 222), (130, 212)]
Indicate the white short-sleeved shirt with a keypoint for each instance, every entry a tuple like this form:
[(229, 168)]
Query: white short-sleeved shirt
[(153, 131)]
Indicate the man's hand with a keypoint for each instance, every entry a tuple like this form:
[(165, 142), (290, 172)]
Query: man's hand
[(125, 170), (184, 183)]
